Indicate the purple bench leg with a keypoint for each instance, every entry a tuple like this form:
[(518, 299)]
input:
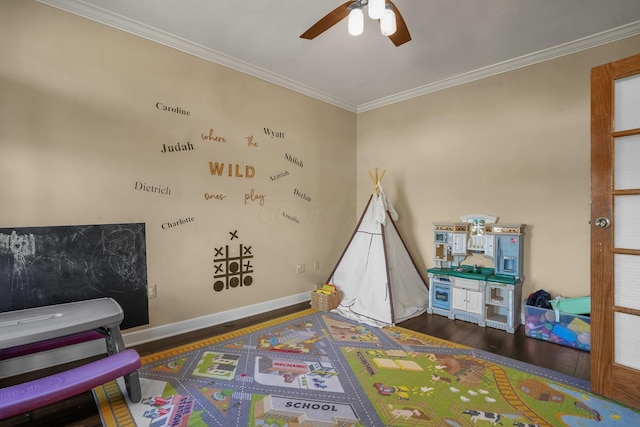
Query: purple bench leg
[(24, 397)]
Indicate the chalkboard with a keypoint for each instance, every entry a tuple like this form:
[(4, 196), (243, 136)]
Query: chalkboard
[(53, 265)]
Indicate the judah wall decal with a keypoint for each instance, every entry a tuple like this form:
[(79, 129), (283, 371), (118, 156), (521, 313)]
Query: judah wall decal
[(178, 147)]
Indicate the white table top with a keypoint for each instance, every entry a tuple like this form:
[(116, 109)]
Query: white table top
[(38, 324)]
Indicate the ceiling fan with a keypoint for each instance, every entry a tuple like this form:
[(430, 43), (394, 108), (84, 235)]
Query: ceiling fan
[(399, 37)]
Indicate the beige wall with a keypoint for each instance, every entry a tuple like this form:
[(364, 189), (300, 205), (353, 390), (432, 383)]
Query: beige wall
[(79, 128), (515, 145)]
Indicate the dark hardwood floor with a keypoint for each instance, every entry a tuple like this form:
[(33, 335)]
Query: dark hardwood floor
[(81, 411)]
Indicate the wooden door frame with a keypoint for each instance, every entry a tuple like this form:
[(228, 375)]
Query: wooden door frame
[(602, 239)]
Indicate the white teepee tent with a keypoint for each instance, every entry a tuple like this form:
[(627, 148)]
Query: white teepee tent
[(380, 281)]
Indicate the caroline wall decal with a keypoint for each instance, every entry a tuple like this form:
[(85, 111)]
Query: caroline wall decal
[(232, 268), (172, 109)]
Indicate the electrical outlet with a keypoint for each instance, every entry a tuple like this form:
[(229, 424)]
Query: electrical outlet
[(152, 291), (316, 265), (300, 268)]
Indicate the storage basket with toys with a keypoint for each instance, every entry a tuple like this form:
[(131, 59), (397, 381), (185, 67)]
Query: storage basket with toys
[(326, 298)]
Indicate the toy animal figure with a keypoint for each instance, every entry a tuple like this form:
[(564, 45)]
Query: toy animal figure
[(476, 415), (592, 412), (436, 377)]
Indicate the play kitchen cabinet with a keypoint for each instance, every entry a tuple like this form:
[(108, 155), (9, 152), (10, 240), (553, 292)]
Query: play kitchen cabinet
[(468, 299), (488, 296)]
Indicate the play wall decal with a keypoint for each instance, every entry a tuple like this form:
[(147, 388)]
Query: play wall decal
[(233, 267)]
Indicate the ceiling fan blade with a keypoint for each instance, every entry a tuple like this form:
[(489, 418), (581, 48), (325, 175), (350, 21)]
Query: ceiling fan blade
[(401, 36), (331, 19)]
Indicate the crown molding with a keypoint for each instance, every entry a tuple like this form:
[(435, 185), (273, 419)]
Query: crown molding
[(119, 22), (94, 13), (615, 34)]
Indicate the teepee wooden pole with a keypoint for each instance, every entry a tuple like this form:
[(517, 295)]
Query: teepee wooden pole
[(376, 180)]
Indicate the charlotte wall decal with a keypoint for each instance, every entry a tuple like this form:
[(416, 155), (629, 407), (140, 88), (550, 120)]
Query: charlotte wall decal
[(177, 223), (232, 271)]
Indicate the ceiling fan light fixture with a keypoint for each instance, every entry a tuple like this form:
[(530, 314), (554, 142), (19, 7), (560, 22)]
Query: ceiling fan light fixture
[(376, 8), (356, 22), (388, 25)]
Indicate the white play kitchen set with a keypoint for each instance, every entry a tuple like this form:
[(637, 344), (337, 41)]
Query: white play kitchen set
[(486, 296)]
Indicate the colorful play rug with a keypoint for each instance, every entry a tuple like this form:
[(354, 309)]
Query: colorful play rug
[(318, 369)]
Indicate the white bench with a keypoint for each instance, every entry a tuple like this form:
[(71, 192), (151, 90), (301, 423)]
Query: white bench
[(42, 328)]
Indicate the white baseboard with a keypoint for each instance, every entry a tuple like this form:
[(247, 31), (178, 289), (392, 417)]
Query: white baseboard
[(33, 362)]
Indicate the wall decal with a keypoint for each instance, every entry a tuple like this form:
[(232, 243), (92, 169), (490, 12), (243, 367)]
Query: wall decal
[(232, 271), (291, 217), (280, 175), (250, 142), (143, 186), (178, 147), (208, 196), (301, 195), (182, 221), (211, 137), (273, 134), (232, 170), (293, 160), (177, 110), (252, 197)]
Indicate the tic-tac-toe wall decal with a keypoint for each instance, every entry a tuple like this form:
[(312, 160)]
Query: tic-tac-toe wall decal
[(232, 268)]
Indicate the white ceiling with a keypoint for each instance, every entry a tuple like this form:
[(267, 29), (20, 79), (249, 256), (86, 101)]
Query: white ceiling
[(453, 41)]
